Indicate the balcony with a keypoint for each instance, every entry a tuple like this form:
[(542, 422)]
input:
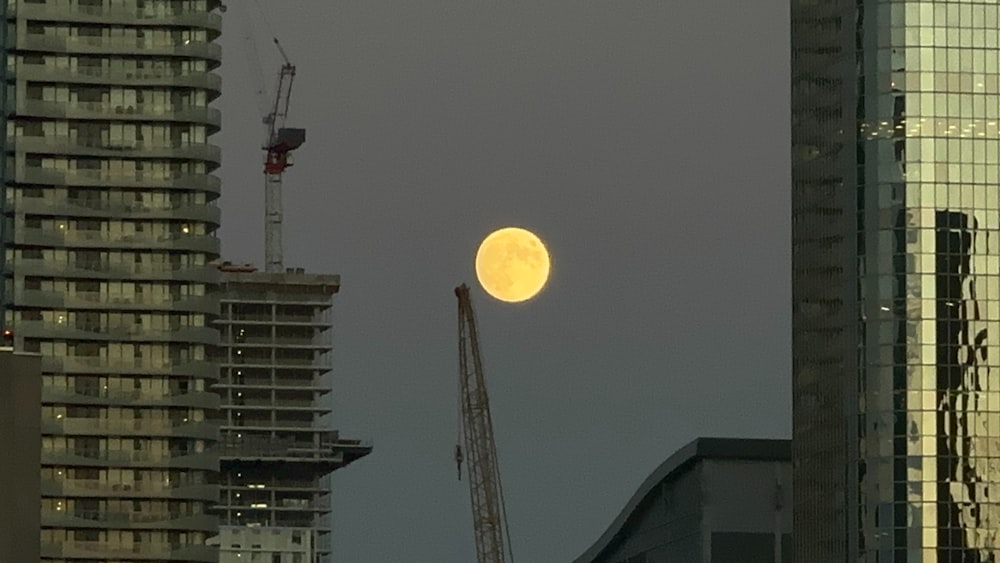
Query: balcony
[(86, 365), (102, 111), (43, 176), (128, 520), (119, 149), (236, 449), (208, 81), (321, 343), (200, 213), (105, 270), (132, 398), (208, 244), (104, 551), (144, 489), (125, 427), (132, 333), (207, 461), (84, 45), (322, 364), (121, 15), (85, 300), (97, 110), (323, 301)]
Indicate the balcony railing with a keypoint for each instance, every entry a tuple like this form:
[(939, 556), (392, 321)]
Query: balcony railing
[(140, 427), (49, 329), (93, 395), (51, 206), (99, 239), (101, 110), (163, 14), (140, 551), (158, 458), (116, 45), (98, 75), (156, 489), (86, 365), (90, 300), (119, 148), (48, 176), (127, 271)]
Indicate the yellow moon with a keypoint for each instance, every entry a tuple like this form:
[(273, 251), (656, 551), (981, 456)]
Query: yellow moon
[(512, 264)]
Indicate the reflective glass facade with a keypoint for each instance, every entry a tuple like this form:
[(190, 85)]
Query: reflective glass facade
[(896, 280), (109, 217)]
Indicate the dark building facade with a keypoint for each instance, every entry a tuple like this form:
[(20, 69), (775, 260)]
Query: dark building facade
[(713, 501), (896, 280), (20, 442)]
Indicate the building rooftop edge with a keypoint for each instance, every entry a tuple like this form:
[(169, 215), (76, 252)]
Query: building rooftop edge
[(756, 449), (227, 267)]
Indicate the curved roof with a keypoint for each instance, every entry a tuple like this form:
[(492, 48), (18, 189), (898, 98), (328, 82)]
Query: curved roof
[(680, 461)]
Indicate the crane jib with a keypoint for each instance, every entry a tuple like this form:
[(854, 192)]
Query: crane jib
[(489, 514)]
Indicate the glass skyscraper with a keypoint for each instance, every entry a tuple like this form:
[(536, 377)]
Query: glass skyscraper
[(896, 280), (109, 217)]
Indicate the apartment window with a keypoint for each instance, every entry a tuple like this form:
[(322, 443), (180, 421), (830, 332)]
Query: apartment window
[(32, 129)]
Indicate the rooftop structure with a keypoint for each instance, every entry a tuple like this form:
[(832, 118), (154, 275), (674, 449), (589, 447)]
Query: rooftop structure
[(109, 221), (714, 500), (276, 447)]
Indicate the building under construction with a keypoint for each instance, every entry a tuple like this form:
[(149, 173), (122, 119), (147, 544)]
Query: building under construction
[(276, 452)]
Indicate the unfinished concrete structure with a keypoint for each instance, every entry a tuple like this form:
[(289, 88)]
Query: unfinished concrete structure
[(276, 451), (20, 431)]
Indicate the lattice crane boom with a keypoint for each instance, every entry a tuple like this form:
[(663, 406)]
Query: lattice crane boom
[(279, 144), (489, 514)]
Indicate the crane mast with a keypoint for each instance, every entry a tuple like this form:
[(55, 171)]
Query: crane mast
[(279, 144), (489, 515)]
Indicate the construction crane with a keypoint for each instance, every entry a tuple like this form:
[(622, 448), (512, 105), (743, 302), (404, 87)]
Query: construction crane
[(279, 144), (489, 516)]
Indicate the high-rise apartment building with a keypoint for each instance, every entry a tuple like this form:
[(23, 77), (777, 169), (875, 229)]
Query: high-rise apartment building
[(896, 283), (277, 447), (108, 226)]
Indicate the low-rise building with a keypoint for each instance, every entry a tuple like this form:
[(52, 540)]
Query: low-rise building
[(713, 501)]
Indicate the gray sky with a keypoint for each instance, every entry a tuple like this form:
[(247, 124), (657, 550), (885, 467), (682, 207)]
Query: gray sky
[(645, 142)]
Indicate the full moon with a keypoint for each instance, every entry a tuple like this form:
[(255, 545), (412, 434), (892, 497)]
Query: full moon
[(512, 264)]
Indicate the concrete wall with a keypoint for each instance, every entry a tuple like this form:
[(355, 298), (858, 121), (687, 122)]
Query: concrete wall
[(20, 457), (747, 507)]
